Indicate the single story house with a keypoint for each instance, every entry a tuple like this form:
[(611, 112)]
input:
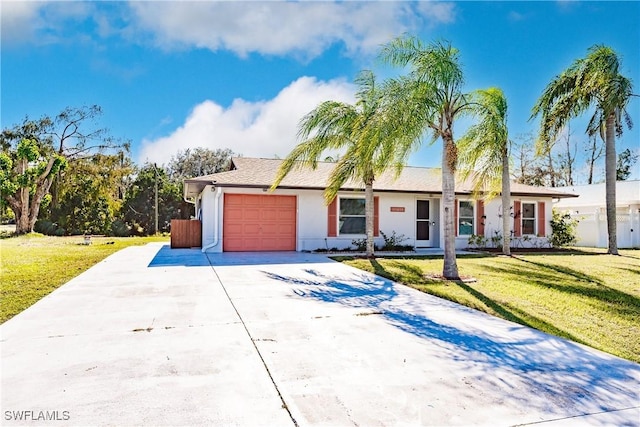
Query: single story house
[(239, 213), (590, 211)]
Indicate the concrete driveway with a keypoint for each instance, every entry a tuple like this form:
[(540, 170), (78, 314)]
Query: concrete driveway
[(153, 336)]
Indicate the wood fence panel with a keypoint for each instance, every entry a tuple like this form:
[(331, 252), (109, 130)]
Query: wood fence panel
[(186, 233)]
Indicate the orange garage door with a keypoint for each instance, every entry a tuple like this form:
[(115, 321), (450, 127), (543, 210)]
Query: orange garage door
[(259, 223)]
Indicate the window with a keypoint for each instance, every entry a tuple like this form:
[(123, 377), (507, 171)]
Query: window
[(465, 218), (528, 218), (352, 216)]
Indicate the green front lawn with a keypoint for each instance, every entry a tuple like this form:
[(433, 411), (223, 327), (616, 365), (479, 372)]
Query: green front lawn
[(585, 296), (34, 265)]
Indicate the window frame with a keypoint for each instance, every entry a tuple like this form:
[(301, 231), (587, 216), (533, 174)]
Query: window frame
[(472, 217), (534, 218), (339, 215)]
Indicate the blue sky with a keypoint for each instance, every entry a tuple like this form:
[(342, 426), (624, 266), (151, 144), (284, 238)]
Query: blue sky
[(239, 75)]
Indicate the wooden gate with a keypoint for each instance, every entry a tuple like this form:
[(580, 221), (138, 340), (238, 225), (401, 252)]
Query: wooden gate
[(186, 233)]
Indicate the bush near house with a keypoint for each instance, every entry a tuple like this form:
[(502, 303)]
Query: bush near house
[(563, 229)]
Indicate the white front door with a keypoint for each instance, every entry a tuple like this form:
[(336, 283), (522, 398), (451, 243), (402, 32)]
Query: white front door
[(423, 224)]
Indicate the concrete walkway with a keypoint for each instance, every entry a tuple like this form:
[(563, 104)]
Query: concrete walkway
[(153, 336)]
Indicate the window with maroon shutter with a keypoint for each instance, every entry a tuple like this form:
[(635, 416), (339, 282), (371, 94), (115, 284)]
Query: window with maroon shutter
[(466, 218), (351, 218), (528, 219)]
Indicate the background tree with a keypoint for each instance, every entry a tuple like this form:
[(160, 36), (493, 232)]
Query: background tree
[(626, 160), (429, 99), (138, 209), (199, 161), (566, 159), (91, 192), (26, 172), (524, 155), (594, 152), (537, 169), (359, 130), (484, 154), (593, 81), (35, 151)]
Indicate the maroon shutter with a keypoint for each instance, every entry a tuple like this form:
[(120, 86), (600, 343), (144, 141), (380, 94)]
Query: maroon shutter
[(376, 216), (517, 219), (542, 231), (332, 218), (480, 219)]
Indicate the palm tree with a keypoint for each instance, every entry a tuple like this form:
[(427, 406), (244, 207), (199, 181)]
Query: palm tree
[(592, 81), (359, 130), (429, 98), (484, 153)]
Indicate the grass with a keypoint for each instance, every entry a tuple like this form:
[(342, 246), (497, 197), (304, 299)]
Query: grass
[(35, 265), (585, 296)]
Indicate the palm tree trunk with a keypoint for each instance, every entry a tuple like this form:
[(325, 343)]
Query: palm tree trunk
[(506, 202), (450, 268), (610, 183), (368, 206)]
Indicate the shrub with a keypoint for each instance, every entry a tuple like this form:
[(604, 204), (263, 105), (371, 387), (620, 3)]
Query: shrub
[(119, 228), (563, 229), (477, 241), (48, 228), (360, 244), (394, 242), (496, 239)]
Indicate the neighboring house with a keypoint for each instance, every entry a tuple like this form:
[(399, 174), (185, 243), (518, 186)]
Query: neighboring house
[(239, 213), (590, 210)]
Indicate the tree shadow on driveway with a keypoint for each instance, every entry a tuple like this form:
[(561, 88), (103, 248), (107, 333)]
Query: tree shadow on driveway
[(565, 373)]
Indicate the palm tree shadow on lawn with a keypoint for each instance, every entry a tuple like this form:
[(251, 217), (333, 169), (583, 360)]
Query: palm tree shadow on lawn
[(546, 364), (552, 276)]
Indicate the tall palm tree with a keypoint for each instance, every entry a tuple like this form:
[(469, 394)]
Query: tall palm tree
[(359, 130), (429, 99), (592, 81), (484, 153)]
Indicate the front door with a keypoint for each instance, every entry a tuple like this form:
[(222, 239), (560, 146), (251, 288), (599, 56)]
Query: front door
[(423, 224)]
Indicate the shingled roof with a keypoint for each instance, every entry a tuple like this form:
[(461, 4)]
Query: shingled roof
[(248, 172)]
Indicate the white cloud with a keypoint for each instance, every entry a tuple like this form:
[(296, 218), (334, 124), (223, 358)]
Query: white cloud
[(301, 28), (438, 12), (17, 20), (41, 22), (253, 129), (277, 28)]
